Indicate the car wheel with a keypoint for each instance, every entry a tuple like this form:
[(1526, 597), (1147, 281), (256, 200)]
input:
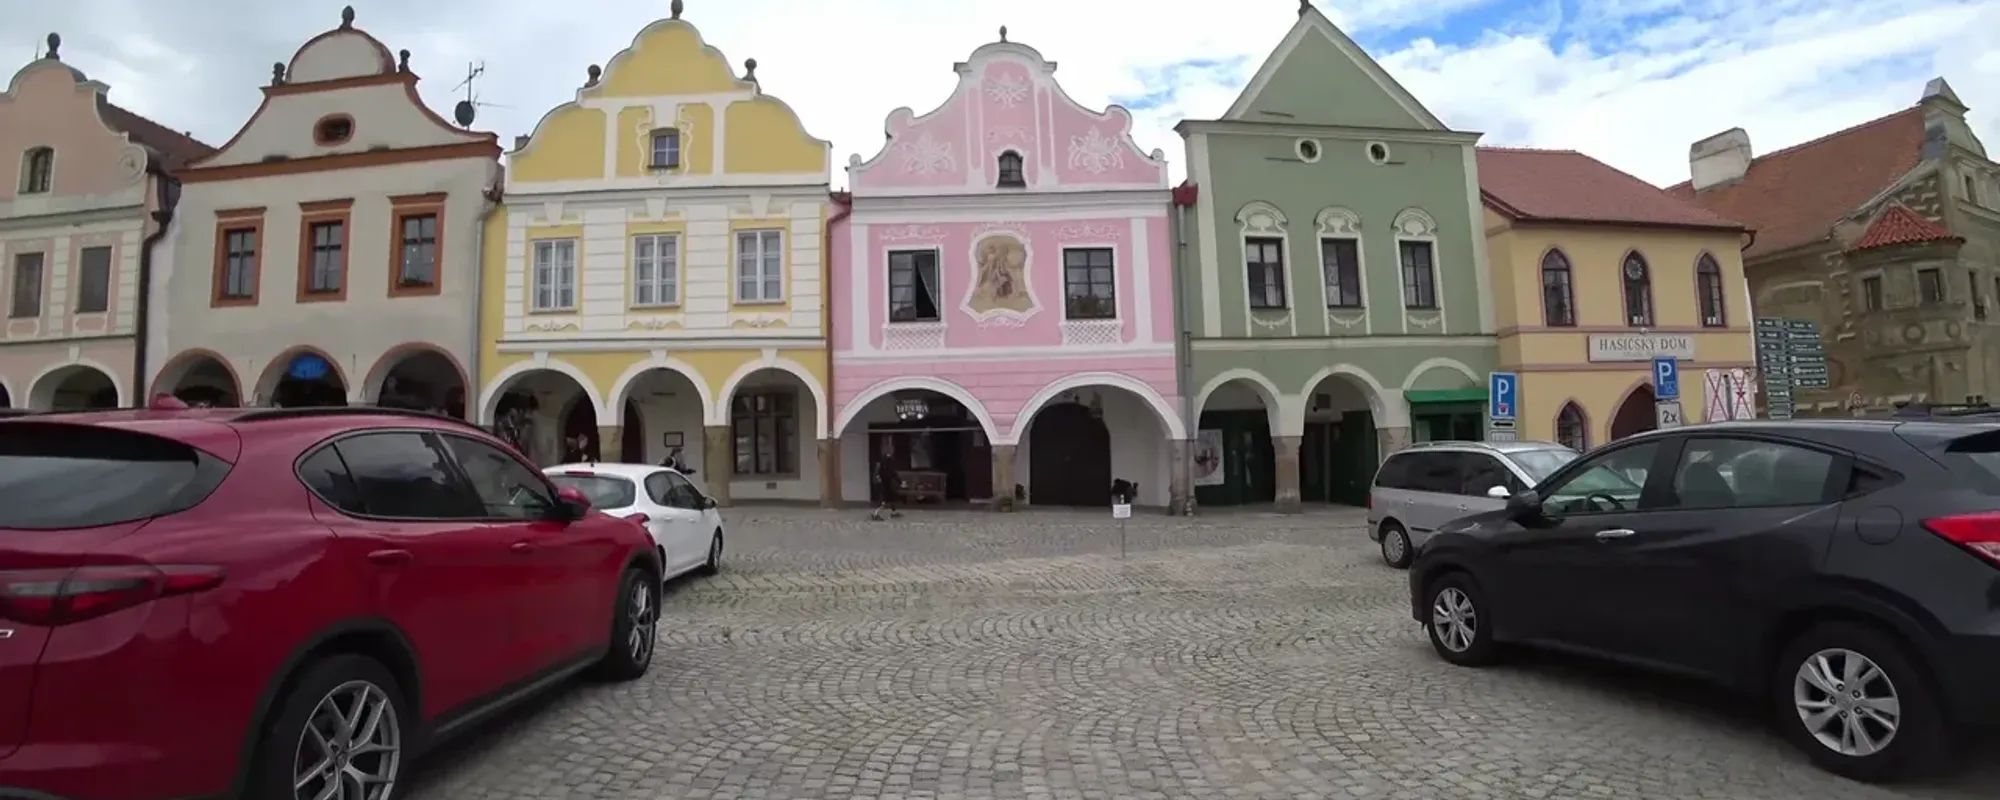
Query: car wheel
[(1854, 700), (714, 564), (339, 733), (1461, 624), (1395, 545), (633, 631)]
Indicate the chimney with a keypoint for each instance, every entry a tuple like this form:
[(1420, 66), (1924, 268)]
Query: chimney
[(1944, 119), (1719, 159)]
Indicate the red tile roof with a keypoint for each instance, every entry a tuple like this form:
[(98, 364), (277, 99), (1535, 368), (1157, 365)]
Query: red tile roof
[(1567, 186), (1897, 224), (176, 148), (1795, 195)]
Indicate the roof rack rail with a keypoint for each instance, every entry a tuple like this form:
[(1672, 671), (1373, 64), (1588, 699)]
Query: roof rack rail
[(1945, 410), (269, 414)]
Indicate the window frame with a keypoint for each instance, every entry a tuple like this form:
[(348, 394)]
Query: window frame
[(1258, 300), (1069, 310), (1334, 277), (244, 220), (555, 288), (668, 279), (1429, 282), (414, 206), (1872, 296), (1644, 282), (38, 170), (320, 136), (937, 275), (779, 453), (15, 297), (1567, 271), (670, 135), (1014, 178), (83, 278), (551, 495), (1666, 458), (429, 436), (313, 216), (1709, 290), (1929, 278), (1833, 490), (737, 237)]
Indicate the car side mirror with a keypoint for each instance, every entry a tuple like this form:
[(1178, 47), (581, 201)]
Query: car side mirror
[(1524, 504), (571, 504), (1499, 493), (704, 503)]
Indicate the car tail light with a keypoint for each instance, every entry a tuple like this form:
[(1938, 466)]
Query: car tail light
[(1977, 533), (52, 597)]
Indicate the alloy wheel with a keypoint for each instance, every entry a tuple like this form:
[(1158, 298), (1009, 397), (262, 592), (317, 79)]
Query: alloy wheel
[(351, 748), (1847, 702), (641, 613), (1454, 619)]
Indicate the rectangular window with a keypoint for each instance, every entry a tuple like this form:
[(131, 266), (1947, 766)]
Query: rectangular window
[(760, 267), (666, 149), (239, 264), (328, 257), (554, 281), (1088, 285), (27, 300), (418, 264), (913, 286), (656, 270), (1419, 275), (1340, 261), (1972, 291), (1930, 285), (1265, 260), (1871, 293), (765, 428), (93, 291)]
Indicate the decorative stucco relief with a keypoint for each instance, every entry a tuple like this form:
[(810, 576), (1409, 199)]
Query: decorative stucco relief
[(1095, 152), (928, 156)]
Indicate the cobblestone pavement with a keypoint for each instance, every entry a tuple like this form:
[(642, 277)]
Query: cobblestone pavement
[(959, 654)]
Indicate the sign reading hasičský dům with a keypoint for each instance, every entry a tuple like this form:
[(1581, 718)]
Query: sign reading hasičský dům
[(1641, 346)]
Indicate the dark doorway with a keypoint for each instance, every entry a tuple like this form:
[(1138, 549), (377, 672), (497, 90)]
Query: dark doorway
[(1247, 472), (309, 382), (424, 381), (1069, 458), (580, 442), (940, 453), (1636, 416), (1337, 460), (632, 437)]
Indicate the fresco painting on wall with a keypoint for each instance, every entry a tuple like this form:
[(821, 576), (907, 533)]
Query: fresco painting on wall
[(1001, 288)]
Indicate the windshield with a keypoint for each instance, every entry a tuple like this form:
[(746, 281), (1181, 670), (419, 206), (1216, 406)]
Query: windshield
[(1540, 464), (604, 491)]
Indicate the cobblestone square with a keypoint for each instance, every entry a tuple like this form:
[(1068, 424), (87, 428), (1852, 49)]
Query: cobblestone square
[(1235, 655)]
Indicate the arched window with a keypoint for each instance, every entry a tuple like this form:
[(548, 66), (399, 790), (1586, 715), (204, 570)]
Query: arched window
[(38, 170), (1638, 291), (1558, 294), (1011, 176), (1708, 292), (1571, 429)]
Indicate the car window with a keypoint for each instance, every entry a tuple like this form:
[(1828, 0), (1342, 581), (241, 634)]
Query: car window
[(1483, 472), (604, 491), (658, 487), (1974, 462), (1540, 464), (683, 493), (1394, 473), (129, 476), (1728, 473), (325, 474), (1440, 472), (1608, 482), (506, 487), (405, 475)]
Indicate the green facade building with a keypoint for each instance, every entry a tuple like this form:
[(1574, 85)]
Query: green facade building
[(1332, 284)]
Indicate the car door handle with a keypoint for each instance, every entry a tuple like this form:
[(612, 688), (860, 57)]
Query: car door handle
[(522, 548), (1615, 533), (391, 558)]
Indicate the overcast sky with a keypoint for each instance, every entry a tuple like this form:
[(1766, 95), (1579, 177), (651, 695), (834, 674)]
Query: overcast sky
[(1632, 82)]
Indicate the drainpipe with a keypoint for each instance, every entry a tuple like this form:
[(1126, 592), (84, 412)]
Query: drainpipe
[(167, 191), (845, 200), (1184, 196), (475, 394)]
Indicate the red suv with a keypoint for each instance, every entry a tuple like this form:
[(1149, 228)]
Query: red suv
[(286, 603)]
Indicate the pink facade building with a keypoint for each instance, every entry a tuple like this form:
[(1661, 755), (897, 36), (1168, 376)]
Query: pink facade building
[(1002, 301)]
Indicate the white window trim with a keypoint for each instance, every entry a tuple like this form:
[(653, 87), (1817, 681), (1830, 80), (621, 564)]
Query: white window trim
[(555, 293), (674, 240), (1342, 223), (1280, 229), (736, 267), (1417, 225), (888, 275), (1117, 288)]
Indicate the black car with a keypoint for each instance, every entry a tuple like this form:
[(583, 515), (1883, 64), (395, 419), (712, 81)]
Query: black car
[(1847, 570)]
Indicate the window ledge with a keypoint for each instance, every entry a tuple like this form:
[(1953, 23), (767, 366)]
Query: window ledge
[(1093, 331), (913, 336)]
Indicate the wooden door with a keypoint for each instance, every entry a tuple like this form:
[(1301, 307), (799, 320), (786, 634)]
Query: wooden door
[(1069, 458)]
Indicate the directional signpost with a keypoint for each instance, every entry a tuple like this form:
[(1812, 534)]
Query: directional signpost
[(1503, 396), (1806, 354), (1774, 363), (1666, 392)]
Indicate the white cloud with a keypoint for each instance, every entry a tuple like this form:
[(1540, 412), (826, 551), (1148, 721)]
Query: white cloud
[(1630, 81)]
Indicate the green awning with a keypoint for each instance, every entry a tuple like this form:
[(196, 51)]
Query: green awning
[(1429, 396)]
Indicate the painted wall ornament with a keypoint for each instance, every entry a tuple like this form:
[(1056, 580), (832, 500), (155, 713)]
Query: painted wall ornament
[(1008, 90), (1000, 285), (928, 156), (1095, 152)]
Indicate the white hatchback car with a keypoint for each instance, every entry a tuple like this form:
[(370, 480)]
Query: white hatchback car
[(685, 524)]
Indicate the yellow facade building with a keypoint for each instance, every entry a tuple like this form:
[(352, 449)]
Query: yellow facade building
[(1595, 274), (654, 278)]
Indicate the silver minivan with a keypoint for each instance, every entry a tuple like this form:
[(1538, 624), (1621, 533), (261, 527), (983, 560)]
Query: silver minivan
[(1419, 489)]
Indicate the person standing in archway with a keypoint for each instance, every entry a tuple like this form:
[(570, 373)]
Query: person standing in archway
[(885, 475)]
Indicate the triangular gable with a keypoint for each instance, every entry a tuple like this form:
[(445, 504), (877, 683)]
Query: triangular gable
[(1319, 76)]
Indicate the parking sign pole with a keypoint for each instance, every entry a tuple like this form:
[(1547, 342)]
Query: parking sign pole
[(1503, 396)]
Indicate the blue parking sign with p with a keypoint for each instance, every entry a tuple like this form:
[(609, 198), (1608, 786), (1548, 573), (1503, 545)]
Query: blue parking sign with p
[(1502, 395), (1666, 379)]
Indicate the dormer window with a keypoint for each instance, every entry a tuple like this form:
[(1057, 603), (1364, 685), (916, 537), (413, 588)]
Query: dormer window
[(333, 131), (38, 170), (666, 149), (1010, 171)]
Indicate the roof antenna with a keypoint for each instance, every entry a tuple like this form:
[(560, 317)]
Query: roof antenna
[(468, 109)]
